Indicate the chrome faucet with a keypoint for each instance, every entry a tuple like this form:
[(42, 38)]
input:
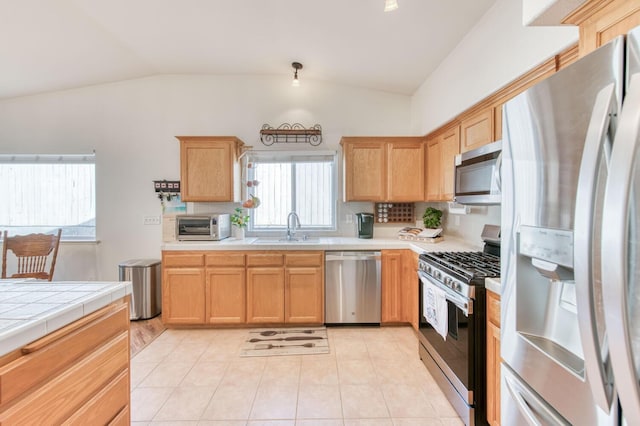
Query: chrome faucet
[(291, 232)]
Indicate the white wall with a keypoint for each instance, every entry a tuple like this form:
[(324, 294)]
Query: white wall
[(131, 125), (495, 52)]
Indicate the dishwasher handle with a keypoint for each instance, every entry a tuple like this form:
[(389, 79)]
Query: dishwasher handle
[(342, 256)]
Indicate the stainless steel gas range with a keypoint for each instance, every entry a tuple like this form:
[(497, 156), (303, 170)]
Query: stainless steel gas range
[(452, 322)]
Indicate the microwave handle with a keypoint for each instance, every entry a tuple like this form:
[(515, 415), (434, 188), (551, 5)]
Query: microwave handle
[(498, 172)]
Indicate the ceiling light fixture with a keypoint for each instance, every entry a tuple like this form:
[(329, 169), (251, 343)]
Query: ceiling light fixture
[(296, 66), (390, 5)]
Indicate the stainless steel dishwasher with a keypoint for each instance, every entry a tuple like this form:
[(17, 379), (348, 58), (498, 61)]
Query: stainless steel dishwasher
[(352, 287)]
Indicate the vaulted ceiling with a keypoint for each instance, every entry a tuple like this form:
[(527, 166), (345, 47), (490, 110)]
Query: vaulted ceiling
[(48, 45)]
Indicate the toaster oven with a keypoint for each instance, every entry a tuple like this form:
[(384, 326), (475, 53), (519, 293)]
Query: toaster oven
[(203, 227)]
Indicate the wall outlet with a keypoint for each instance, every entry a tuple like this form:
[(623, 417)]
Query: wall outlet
[(151, 220)]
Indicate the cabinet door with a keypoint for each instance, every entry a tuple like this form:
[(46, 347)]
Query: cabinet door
[(476, 130), (265, 295), (304, 295), (207, 170), (614, 19), (405, 171), (433, 170), (365, 171), (450, 148), (226, 296), (391, 286), (410, 289), (183, 292), (493, 358)]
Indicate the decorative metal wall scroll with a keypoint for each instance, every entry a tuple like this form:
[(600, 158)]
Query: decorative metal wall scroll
[(291, 133)]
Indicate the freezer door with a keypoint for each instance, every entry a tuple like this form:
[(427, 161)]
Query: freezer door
[(556, 145), (522, 406), (621, 245)]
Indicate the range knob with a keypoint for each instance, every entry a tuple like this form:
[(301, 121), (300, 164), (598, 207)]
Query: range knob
[(458, 287), (437, 274), (447, 281)]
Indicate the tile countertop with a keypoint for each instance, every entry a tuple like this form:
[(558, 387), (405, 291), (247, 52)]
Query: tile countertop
[(32, 309), (493, 284), (330, 243)]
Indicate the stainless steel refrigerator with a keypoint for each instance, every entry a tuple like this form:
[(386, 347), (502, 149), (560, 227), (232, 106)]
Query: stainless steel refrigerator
[(570, 266)]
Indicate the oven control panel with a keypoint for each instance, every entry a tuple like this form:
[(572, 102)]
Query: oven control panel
[(450, 281)]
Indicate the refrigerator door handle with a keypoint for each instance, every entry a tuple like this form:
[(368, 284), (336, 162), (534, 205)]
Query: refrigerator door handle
[(615, 269), (601, 386)]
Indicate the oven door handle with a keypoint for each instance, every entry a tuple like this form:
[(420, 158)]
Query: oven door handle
[(464, 304)]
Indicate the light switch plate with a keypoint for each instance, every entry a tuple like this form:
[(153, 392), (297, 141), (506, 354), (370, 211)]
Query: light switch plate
[(151, 220)]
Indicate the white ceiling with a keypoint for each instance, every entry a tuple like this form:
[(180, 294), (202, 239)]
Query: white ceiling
[(48, 45)]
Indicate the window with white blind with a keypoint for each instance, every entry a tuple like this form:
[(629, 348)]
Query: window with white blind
[(40, 193), (304, 183)]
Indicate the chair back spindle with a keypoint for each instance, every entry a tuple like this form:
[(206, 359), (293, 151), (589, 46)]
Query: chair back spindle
[(32, 252)]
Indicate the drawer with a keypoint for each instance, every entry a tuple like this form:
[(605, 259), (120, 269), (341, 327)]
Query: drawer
[(493, 308), (59, 350), (225, 259), (177, 260), (58, 398), (122, 419), (104, 406), (303, 259), (265, 259)]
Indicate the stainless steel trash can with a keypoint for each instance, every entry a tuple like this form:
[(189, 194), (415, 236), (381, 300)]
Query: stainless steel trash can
[(145, 277)]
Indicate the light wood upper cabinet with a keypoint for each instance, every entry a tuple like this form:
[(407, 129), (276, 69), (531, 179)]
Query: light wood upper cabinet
[(476, 130), (364, 171), (441, 152), (383, 169), (434, 177), (405, 171), (601, 21), (450, 148), (497, 120), (209, 168)]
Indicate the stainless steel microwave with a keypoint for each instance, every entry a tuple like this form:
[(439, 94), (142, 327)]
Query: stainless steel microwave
[(477, 175), (203, 227)]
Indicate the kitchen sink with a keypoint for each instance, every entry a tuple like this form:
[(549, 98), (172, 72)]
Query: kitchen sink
[(280, 241)]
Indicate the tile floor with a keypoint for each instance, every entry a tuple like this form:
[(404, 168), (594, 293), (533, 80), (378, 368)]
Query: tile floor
[(373, 376)]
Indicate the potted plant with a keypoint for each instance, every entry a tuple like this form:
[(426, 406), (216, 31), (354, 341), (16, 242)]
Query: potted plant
[(239, 220), (432, 218)]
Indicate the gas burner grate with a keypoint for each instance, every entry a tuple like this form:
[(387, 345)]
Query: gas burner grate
[(469, 264)]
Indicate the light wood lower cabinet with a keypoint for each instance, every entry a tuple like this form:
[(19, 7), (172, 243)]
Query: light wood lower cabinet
[(392, 273), (265, 295), (183, 295), (400, 287), (233, 287), (304, 295), (76, 375), (493, 358), (226, 295), (411, 289)]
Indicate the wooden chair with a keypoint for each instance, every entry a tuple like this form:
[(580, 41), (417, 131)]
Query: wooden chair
[(32, 252)]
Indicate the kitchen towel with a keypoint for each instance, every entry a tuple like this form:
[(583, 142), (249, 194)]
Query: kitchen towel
[(434, 307)]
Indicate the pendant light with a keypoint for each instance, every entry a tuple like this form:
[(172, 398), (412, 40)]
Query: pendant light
[(390, 5), (296, 66)]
